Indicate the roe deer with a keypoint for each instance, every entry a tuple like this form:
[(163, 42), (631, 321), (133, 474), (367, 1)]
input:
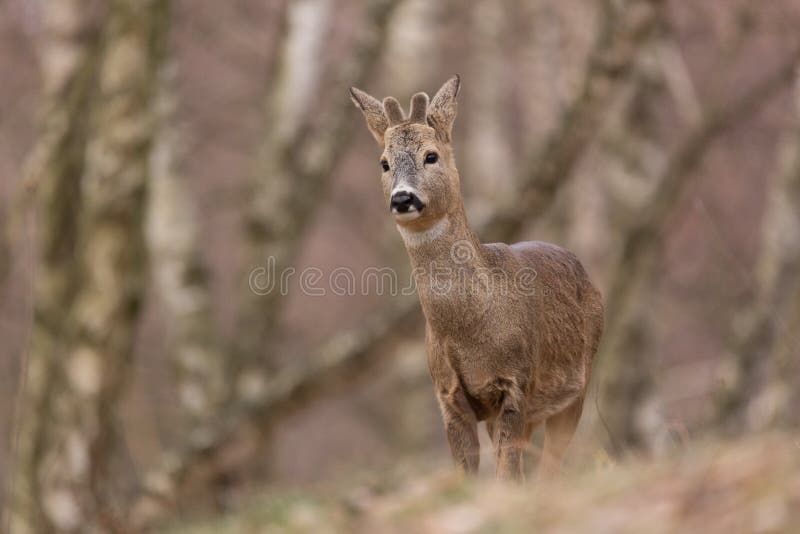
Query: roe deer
[(512, 356)]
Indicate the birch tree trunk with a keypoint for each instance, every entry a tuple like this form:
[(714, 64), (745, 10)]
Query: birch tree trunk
[(271, 226), (181, 276), (489, 150), (297, 157), (69, 57), (69, 477)]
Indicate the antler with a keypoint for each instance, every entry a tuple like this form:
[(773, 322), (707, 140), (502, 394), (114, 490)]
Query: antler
[(419, 108), (393, 111)]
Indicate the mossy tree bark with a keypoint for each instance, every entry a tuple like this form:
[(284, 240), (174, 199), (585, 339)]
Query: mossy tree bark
[(87, 307), (69, 58)]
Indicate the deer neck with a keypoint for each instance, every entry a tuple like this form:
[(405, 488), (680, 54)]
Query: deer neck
[(441, 242), (448, 252)]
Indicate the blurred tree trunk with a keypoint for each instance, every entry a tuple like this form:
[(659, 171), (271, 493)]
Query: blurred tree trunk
[(181, 275), (414, 33), (636, 154), (631, 150), (488, 155), (751, 398), (107, 306), (271, 226), (624, 379), (307, 135), (75, 379), (69, 57)]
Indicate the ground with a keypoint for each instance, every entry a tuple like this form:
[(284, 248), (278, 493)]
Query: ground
[(750, 485)]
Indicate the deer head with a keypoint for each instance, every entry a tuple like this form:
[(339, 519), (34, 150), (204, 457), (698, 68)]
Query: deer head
[(419, 175)]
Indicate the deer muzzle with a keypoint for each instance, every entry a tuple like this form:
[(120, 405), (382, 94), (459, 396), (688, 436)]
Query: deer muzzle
[(405, 205)]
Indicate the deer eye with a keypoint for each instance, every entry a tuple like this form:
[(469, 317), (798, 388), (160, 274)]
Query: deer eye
[(431, 158), (385, 165)]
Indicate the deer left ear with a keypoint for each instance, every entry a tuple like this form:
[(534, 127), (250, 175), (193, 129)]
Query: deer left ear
[(442, 110), (377, 122)]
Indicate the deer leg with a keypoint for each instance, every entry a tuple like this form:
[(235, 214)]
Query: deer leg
[(490, 430), (509, 439), (528, 451), (558, 432), (462, 431)]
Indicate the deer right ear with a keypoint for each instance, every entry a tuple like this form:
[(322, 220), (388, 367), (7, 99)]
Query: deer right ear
[(377, 122), (442, 109)]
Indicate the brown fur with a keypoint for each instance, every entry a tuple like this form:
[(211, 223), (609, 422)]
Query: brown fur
[(511, 357)]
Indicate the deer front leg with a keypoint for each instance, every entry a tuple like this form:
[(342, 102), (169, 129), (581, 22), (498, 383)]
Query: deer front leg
[(461, 427), (509, 436)]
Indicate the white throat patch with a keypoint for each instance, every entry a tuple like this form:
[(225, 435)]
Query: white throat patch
[(414, 239)]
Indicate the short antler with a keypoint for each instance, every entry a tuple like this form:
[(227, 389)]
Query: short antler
[(393, 111), (419, 108)]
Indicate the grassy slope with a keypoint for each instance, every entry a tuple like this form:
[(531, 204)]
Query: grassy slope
[(748, 486)]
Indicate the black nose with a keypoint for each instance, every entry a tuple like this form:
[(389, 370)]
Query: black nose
[(403, 201)]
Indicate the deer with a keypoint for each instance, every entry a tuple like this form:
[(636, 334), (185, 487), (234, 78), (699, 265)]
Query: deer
[(513, 355)]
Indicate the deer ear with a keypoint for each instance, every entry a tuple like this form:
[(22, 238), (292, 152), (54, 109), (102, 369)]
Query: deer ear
[(373, 112), (442, 110)]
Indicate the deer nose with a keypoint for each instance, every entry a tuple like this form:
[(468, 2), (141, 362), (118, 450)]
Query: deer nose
[(405, 202)]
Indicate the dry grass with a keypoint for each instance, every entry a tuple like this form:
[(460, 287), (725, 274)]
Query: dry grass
[(752, 485)]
